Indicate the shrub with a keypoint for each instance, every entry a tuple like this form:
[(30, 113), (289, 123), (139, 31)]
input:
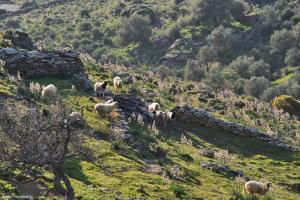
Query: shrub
[(85, 26), (12, 24), (260, 68), (239, 86), (210, 12), (256, 86), (272, 92), (173, 32), (97, 34), (241, 66), (281, 41), (287, 103), (194, 71), (292, 57), (222, 41), (135, 29), (179, 191), (205, 55), (97, 53), (85, 13)]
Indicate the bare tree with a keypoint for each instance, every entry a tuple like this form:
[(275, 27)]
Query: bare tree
[(31, 138)]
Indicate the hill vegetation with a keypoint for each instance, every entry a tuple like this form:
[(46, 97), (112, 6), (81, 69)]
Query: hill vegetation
[(237, 60), (196, 40)]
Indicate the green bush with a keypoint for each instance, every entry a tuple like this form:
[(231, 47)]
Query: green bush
[(173, 32), (135, 29), (256, 86), (179, 191), (288, 104), (85, 26)]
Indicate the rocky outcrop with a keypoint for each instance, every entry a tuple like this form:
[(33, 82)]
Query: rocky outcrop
[(203, 118), (55, 63), (177, 54), (221, 169), (18, 39)]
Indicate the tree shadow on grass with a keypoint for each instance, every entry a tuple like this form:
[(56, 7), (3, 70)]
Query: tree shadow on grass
[(244, 145), (74, 170)]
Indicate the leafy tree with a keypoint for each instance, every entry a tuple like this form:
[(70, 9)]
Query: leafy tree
[(281, 41), (269, 21), (272, 92), (215, 12), (239, 86), (173, 32), (135, 29), (292, 57), (205, 55), (31, 139), (238, 8), (194, 71), (256, 86), (260, 68), (241, 66), (222, 41)]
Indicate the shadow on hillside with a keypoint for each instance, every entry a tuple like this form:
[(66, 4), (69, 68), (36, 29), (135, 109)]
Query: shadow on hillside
[(243, 145), (74, 170)]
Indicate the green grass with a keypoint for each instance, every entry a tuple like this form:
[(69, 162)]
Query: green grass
[(127, 175), (283, 79)]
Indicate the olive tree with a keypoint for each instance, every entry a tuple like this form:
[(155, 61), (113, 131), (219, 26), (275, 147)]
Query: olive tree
[(31, 139), (136, 28), (256, 86)]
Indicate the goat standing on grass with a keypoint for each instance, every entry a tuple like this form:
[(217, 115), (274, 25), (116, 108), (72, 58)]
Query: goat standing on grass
[(49, 91), (105, 108), (254, 187), (118, 83), (99, 88)]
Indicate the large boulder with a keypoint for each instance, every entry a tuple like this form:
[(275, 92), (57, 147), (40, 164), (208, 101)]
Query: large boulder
[(55, 63), (177, 54), (18, 39)]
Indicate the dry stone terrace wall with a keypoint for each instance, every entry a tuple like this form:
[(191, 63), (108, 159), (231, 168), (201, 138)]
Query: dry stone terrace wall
[(41, 63), (204, 118)]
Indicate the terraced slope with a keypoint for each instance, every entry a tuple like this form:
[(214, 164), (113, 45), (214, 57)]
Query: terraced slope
[(167, 163)]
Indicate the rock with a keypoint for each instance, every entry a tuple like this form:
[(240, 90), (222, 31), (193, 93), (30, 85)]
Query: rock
[(41, 63), (9, 51), (207, 153), (19, 40), (176, 58), (220, 169), (161, 42), (83, 82)]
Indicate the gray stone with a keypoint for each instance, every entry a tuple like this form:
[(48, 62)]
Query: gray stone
[(9, 51)]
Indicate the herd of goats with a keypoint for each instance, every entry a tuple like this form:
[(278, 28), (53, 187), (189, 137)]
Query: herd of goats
[(154, 109)]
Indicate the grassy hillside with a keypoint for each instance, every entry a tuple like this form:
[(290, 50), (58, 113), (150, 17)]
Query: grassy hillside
[(230, 59), (120, 170)]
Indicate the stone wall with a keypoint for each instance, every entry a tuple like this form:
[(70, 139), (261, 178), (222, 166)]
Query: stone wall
[(41, 63), (204, 118)]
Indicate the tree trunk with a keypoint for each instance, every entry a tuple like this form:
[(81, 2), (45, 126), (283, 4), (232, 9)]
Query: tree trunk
[(57, 183), (60, 175)]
